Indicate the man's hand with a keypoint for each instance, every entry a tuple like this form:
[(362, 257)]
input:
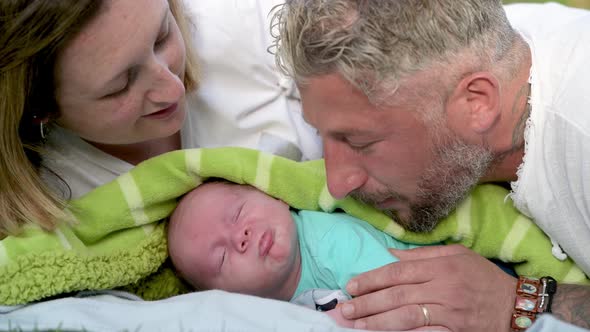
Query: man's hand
[(460, 290), (336, 315)]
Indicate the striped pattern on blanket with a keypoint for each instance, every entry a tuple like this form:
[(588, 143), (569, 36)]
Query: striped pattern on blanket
[(115, 236)]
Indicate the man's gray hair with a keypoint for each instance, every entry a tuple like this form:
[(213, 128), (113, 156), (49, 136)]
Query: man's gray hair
[(376, 43)]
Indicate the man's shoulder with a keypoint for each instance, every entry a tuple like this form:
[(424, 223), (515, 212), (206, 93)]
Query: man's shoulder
[(542, 18)]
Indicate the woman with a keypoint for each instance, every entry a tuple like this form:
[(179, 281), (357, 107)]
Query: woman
[(104, 87), (90, 88)]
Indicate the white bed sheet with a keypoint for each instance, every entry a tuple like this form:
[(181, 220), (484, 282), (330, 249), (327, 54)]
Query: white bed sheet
[(195, 312), (203, 311)]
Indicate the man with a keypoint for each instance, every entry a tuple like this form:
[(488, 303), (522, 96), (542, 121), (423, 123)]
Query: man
[(417, 102)]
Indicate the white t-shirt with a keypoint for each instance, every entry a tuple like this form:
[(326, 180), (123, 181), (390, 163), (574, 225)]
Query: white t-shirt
[(553, 185), (83, 167), (242, 100)]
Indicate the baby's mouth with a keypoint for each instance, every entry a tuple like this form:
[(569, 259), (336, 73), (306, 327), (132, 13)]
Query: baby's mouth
[(265, 243)]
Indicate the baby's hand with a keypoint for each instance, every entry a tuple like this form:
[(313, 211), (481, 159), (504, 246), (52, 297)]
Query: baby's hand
[(336, 315)]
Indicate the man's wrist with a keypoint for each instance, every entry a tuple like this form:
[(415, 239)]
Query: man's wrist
[(533, 297), (571, 304)]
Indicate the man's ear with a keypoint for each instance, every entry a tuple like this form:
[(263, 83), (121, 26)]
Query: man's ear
[(474, 105)]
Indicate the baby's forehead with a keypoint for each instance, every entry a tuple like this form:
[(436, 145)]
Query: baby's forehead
[(212, 196), (225, 187)]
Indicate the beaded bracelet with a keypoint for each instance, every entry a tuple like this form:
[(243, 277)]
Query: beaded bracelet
[(533, 297)]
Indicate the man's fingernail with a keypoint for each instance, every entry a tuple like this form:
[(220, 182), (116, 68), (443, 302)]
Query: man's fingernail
[(352, 286), (347, 309), (360, 324)]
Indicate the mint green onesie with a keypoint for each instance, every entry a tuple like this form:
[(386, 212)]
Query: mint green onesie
[(336, 246)]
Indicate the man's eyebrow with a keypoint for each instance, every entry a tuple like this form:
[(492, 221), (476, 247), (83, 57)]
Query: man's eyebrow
[(342, 132)]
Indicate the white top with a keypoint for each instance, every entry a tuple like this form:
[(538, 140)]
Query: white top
[(242, 100), (83, 167), (553, 185)]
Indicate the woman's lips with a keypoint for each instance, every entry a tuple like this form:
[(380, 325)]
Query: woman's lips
[(265, 243), (163, 113)]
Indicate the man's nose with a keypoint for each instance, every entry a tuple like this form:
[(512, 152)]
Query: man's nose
[(242, 238), (343, 171)]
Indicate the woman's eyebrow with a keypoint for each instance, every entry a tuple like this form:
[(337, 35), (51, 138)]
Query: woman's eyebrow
[(164, 20), (125, 72)]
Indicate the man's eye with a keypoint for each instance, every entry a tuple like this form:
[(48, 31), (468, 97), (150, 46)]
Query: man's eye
[(359, 146), (362, 147)]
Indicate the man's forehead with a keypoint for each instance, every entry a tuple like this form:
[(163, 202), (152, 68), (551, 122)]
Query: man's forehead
[(350, 119), (329, 85)]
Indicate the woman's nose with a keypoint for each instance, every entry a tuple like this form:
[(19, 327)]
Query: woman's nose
[(167, 87)]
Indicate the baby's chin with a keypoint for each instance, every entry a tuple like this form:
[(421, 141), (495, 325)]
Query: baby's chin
[(286, 257), (283, 258), (286, 245)]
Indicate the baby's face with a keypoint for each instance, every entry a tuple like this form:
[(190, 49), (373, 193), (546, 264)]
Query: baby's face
[(236, 238)]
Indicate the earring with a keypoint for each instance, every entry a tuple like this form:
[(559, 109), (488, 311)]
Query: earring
[(42, 126)]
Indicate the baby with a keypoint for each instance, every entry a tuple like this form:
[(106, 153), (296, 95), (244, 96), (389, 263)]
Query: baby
[(239, 239)]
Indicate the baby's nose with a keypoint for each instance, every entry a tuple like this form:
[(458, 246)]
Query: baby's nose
[(243, 239)]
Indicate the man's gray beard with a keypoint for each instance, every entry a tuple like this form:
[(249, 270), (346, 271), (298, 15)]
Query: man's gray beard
[(456, 169), (446, 183)]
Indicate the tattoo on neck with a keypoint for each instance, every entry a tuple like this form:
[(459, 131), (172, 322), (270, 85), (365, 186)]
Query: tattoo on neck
[(518, 133), (572, 304)]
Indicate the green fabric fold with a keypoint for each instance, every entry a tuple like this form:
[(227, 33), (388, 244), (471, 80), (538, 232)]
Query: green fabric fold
[(115, 237)]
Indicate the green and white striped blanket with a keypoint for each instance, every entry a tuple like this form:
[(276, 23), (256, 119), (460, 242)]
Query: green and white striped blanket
[(116, 235)]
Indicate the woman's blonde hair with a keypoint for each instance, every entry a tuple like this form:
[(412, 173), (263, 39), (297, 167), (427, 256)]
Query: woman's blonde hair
[(33, 34), (191, 72)]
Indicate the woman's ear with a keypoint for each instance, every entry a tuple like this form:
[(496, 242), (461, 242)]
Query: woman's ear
[(474, 105)]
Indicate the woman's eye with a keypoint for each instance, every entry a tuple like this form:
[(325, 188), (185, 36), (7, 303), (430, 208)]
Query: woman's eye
[(131, 77), (163, 36), (118, 92), (161, 40)]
